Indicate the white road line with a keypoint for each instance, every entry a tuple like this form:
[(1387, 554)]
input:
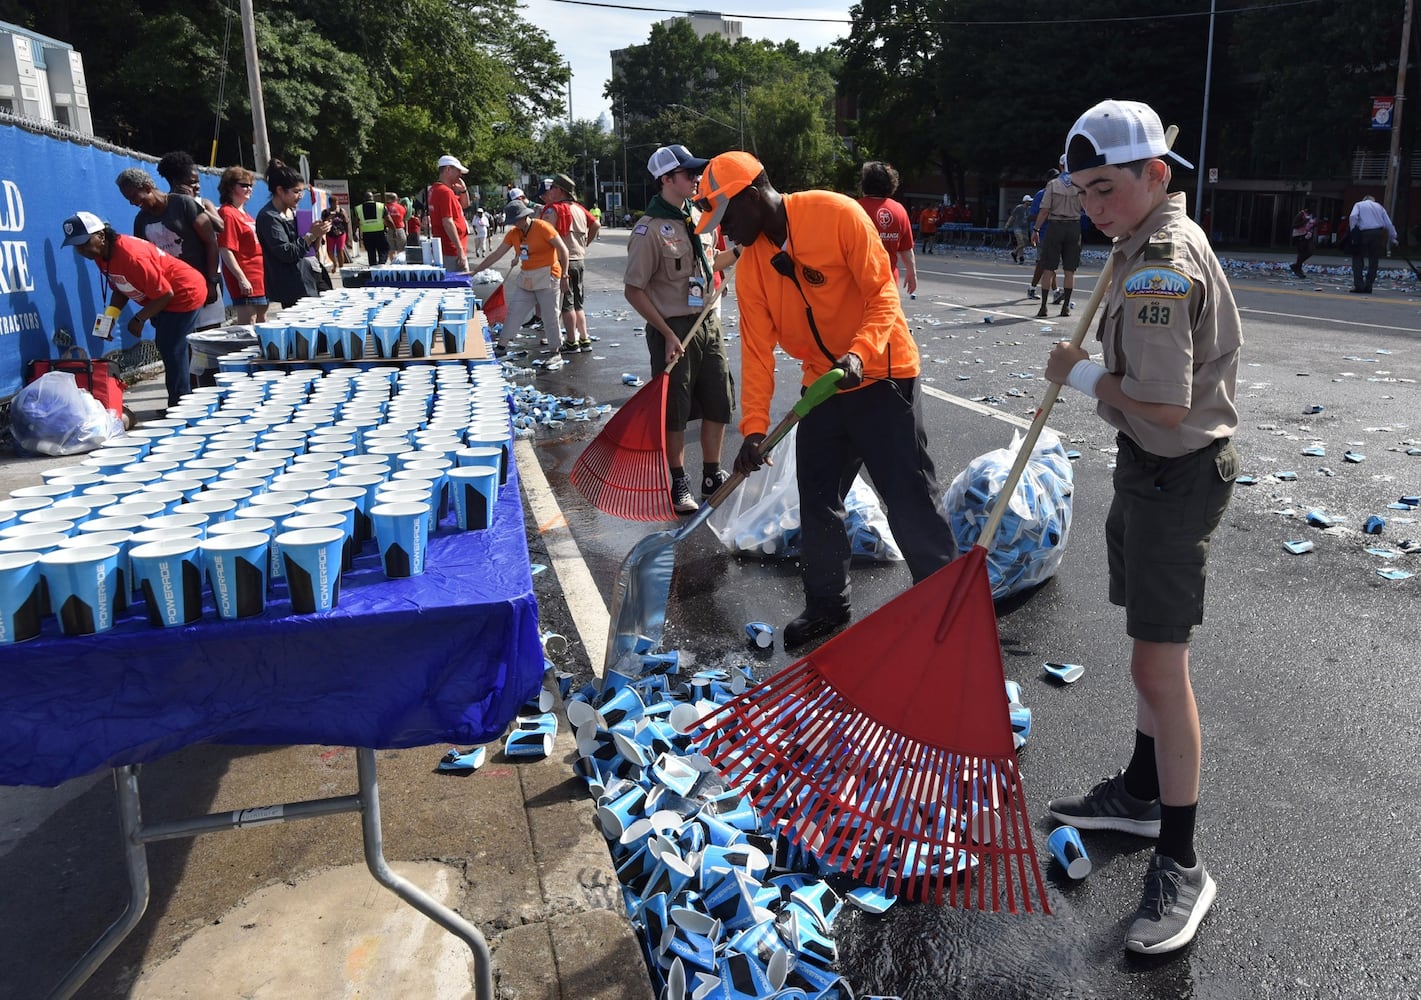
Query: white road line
[(1337, 322), (976, 407), (589, 613), (995, 312)]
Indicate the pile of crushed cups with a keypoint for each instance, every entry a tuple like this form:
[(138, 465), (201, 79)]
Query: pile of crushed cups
[(361, 324), (273, 474), (726, 904)]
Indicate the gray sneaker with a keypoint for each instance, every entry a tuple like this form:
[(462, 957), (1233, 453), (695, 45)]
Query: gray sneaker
[(1108, 806), (1174, 902), (681, 497)]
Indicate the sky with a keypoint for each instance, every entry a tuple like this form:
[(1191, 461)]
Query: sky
[(585, 36)]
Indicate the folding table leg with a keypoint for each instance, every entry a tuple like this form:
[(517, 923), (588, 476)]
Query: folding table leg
[(407, 890), (135, 857)]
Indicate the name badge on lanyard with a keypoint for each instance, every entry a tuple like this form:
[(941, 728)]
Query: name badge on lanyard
[(696, 292), (523, 251)]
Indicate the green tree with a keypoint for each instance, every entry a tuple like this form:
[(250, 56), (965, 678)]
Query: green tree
[(968, 86), (371, 91), (1300, 107), (775, 100)]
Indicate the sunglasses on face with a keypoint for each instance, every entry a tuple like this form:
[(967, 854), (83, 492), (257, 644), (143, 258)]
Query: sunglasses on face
[(703, 204), (243, 184)]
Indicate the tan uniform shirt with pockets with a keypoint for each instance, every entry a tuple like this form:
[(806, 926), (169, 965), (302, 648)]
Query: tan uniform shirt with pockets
[(1061, 201), (661, 260), (1171, 329)]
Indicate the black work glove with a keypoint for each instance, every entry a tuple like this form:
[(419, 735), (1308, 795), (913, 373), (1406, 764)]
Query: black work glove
[(852, 365), (749, 458)]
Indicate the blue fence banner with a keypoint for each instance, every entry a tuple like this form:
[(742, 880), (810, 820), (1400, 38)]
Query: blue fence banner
[(46, 287)]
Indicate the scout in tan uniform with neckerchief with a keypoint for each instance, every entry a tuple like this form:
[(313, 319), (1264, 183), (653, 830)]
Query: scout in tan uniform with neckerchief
[(1170, 335), (669, 277)]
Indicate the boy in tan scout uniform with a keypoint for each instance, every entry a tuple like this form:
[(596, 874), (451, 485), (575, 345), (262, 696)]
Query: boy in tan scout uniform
[(1170, 336), (669, 278)]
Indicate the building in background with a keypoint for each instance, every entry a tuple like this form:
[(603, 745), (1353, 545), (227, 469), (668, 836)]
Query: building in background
[(42, 79)]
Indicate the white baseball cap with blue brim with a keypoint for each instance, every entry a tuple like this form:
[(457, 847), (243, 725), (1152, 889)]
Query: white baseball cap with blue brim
[(80, 226), (1116, 132), (669, 158)]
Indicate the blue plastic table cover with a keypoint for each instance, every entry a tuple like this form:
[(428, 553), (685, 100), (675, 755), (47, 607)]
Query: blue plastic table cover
[(449, 656)]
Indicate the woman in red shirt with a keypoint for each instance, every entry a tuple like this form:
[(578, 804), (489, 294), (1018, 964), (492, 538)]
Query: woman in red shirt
[(168, 291), (240, 248)]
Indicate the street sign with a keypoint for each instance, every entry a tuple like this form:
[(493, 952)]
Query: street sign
[(1381, 112), (1213, 175), (614, 200)]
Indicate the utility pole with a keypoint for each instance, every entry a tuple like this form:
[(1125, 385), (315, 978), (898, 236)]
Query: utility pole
[(569, 98), (1393, 162), (742, 113), (254, 87), (1201, 166)]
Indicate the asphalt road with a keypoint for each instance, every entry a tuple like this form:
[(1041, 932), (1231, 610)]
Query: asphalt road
[(1305, 668)]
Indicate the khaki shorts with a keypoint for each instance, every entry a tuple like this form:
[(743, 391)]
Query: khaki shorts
[(701, 387), (572, 301), (1060, 244), (1157, 535)]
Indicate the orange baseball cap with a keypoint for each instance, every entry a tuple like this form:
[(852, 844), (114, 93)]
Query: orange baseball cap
[(724, 177)]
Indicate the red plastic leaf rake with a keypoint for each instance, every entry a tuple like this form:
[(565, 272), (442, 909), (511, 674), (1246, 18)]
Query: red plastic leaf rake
[(623, 470), (495, 308), (888, 752)]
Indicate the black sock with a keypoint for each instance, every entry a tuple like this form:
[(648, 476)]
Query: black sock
[(678, 472), (1066, 298), (1176, 834), (1141, 776)]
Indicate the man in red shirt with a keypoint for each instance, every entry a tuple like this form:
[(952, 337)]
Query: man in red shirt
[(890, 218), (448, 197), (169, 291), (395, 222)]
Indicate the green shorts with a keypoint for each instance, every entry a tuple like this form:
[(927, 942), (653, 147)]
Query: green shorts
[(1157, 535), (701, 387)]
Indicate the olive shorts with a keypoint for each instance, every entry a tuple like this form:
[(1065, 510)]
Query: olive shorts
[(1157, 535), (700, 384)]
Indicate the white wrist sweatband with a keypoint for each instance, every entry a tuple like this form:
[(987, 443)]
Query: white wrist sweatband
[(1085, 376)]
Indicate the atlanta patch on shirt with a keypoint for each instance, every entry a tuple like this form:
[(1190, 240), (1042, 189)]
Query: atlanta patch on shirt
[(1157, 283), (668, 231)]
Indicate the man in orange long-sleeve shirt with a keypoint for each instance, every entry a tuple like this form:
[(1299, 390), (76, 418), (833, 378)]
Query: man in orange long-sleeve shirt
[(815, 280)]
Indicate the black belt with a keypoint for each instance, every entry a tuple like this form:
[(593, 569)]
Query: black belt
[(1123, 440)]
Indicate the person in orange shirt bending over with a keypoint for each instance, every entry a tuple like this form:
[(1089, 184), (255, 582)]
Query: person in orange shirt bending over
[(815, 280), (543, 266)]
